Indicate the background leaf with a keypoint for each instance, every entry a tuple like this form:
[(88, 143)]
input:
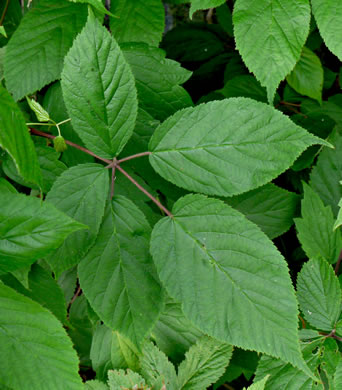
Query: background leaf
[(328, 15), (216, 262), (270, 207), (15, 139), (35, 350), (270, 35), (226, 147), (319, 294), (81, 193), (118, 276), (138, 21), (157, 80), (41, 41), (29, 230), (99, 92), (307, 76), (315, 228), (204, 364), (200, 4)]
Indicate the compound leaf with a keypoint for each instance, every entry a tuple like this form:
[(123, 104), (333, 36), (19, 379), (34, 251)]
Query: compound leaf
[(228, 275), (29, 230), (36, 352), (226, 147), (328, 15), (118, 276), (319, 294), (307, 76), (204, 364), (138, 21), (81, 193), (315, 228), (15, 139), (270, 35), (99, 91), (34, 55)]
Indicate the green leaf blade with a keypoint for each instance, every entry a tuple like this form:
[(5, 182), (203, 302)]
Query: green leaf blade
[(315, 228), (319, 294), (270, 36), (41, 41), (217, 263), (328, 15), (29, 230), (226, 147), (81, 193), (36, 352), (118, 268), (138, 21), (16, 140), (99, 91), (204, 364)]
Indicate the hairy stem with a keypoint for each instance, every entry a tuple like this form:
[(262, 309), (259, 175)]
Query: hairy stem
[(4, 12), (142, 189), (47, 135)]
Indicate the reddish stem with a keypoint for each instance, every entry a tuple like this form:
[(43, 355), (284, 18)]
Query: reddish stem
[(142, 189), (337, 266), (47, 135), (133, 156), (4, 13)]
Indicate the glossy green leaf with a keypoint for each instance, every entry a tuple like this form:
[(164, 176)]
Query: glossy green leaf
[(326, 175), (119, 379), (204, 364), (36, 352), (81, 193), (157, 80), (3, 31), (29, 230), (41, 41), (138, 21), (42, 288), (157, 369), (307, 76), (338, 376), (270, 35), (328, 16), (118, 276), (15, 138), (338, 221), (270, 207), (315, 228), (226, 147), (203, 4), (99, 92), (228, 275), (319, 294)]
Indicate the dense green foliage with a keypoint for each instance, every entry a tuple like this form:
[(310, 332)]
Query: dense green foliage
[(170, 194)]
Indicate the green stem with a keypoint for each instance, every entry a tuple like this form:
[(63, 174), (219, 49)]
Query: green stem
[(65, 121)]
